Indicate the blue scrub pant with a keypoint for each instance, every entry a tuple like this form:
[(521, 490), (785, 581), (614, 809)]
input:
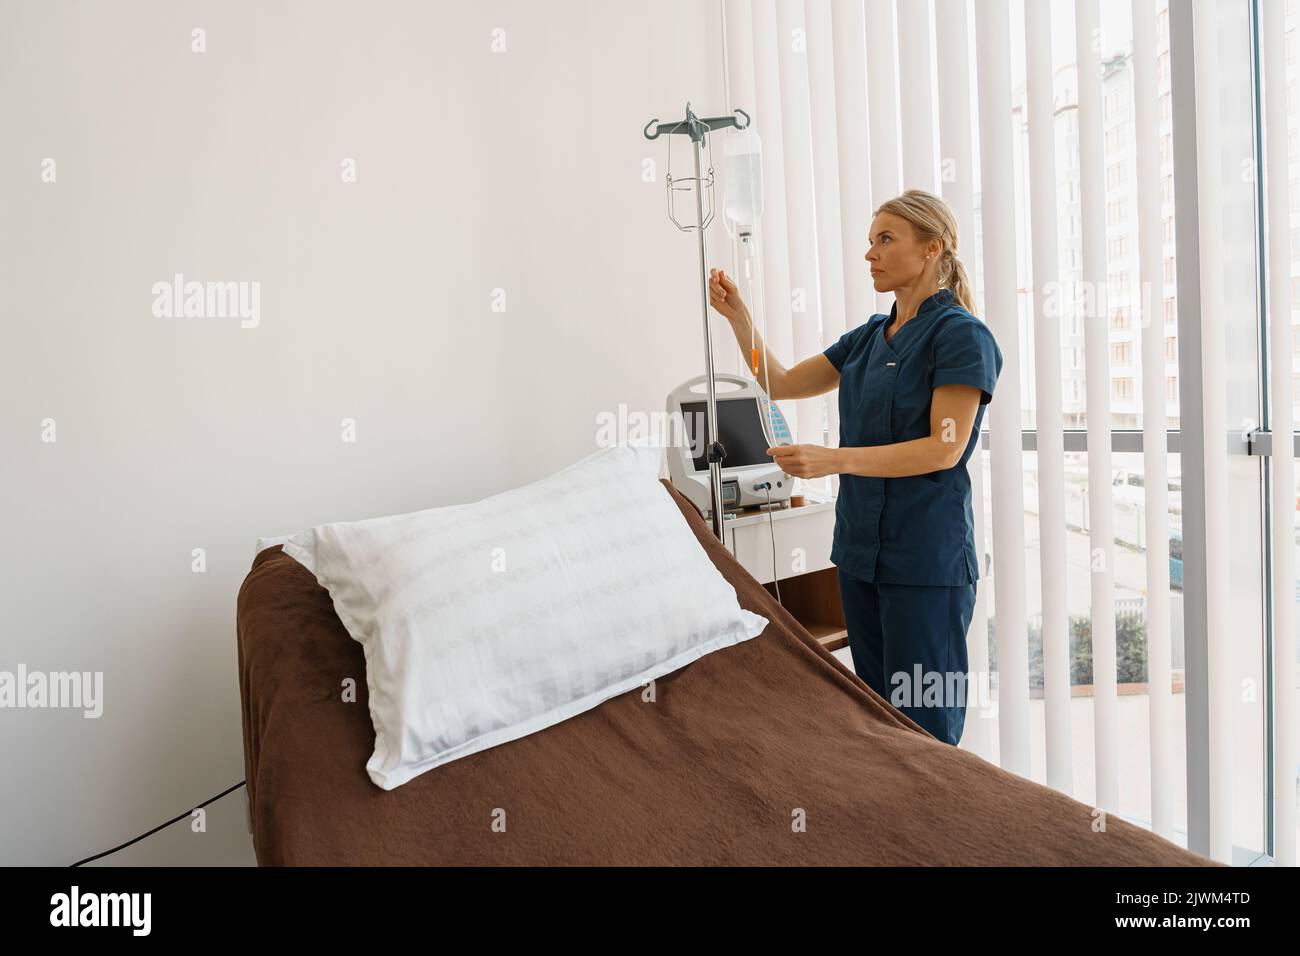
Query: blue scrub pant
[(900, 635)]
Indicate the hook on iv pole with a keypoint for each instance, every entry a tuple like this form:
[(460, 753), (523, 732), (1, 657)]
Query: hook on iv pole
[(695, 127)]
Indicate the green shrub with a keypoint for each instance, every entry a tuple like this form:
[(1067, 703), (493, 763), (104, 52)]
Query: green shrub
[(1130, 650)]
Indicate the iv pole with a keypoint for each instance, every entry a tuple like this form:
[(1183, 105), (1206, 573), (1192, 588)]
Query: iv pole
[(698, 129)]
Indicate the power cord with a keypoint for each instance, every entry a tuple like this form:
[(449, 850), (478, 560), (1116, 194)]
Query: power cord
[(161, 826), (771, 531)]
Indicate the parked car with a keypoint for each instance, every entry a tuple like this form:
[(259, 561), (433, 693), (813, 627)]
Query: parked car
[(1176, 564), (1128, 488)]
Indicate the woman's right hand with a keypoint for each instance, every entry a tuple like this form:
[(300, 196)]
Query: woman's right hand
[(725, 297)]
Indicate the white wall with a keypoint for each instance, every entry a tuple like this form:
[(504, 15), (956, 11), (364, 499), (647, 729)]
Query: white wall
[(475, 171)]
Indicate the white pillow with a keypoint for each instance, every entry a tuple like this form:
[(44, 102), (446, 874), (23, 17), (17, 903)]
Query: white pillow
[(485, 622)]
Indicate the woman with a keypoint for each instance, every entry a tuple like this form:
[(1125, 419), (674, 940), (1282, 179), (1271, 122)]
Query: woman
[(913, 386)]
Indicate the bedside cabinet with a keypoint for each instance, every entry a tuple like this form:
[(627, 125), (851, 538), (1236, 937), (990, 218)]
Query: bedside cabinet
[(802, 534)]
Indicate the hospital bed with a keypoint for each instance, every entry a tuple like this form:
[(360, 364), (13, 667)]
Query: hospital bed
[(766, 753)]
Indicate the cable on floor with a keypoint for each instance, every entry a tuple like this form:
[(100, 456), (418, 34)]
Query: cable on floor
[(161, 826)]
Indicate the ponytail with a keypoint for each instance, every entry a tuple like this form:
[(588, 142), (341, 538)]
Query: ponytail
[(954, 277)]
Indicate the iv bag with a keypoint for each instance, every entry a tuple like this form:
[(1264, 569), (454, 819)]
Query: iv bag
[(744, 202)]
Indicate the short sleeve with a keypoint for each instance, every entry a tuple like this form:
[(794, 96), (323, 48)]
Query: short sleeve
[(840, 349), (966, 353)]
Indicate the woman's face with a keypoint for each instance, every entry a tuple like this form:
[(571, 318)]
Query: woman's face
[(896, 256)]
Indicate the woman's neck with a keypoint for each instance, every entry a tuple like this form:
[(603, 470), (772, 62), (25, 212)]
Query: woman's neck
[(907, 302)]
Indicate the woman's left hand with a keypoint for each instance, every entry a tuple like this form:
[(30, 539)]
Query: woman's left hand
[(806, 461)]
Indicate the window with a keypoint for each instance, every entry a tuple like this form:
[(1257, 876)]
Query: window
[(1235, 259), (1116, 103)]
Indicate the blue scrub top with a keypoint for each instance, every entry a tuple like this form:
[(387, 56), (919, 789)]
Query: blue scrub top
[(919, 529)]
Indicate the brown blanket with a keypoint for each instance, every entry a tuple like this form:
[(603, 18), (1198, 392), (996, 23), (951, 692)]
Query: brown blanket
[(769, 752)]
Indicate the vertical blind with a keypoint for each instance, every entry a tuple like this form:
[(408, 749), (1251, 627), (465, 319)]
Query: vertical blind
[(993, 36), (957, 162), (1214, 415), (857, 100), (1092, 202), (1041, 108), (1281, 423), (1155, 420)]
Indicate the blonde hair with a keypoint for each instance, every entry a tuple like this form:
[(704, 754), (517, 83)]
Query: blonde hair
[(931, 218)]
